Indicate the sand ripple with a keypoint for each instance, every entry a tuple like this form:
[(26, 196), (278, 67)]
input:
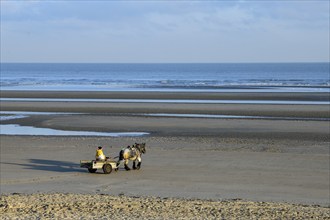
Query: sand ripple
[(79, 206)]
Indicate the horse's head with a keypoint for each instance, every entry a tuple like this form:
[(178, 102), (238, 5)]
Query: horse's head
[(142, 147)]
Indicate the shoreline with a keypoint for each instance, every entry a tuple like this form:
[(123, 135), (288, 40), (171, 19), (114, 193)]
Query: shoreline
[(308, 111), (317, 131), (284, 96), (270, 110)]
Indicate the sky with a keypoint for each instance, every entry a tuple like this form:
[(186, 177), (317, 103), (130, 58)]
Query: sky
[(74, 31)]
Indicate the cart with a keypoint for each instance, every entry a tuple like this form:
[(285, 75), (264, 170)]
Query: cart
[(106, 165)]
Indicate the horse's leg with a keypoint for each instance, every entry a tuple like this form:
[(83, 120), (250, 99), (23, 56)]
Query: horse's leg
[(126, 165), (134, 167), (139, 163), (121, 158)]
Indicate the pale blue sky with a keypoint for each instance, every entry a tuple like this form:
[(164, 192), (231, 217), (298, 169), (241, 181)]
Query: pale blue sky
[(164, 31)]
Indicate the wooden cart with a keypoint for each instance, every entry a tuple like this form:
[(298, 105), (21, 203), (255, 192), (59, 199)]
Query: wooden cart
[(106, 165)]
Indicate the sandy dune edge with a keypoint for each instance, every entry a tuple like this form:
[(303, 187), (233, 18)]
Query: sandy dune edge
[(73, 206)]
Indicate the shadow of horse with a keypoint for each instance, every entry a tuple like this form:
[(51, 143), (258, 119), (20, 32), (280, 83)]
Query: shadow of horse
[(50, 165)]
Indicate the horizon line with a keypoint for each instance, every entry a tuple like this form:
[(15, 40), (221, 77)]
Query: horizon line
[(268, 62)]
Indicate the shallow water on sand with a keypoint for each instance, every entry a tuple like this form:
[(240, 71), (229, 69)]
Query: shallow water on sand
[(14, 129)]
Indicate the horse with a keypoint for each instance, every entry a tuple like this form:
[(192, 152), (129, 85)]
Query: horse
[(133, 153)]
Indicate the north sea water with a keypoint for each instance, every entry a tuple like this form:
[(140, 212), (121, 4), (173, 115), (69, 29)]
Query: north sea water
[(275, 77)]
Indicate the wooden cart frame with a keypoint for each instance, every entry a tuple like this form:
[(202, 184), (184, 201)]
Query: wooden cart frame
[(93, 165)]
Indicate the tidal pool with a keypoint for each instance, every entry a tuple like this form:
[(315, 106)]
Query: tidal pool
[(14, 129)]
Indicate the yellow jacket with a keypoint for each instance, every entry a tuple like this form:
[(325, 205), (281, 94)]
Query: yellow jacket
[(99, 153)]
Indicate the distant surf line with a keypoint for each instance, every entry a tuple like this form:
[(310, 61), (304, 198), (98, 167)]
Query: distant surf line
[(182, 101)]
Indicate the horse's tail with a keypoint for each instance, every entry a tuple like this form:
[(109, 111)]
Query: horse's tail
[(121, 155)]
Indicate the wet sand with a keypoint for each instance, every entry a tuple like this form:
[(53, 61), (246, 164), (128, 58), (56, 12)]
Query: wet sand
[(281, 161), (303, 96)]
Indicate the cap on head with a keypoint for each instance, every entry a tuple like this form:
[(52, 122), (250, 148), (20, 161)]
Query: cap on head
[(100, 147)]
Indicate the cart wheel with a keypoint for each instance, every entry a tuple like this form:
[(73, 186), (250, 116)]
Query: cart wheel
[(107, 168), (91, 170)]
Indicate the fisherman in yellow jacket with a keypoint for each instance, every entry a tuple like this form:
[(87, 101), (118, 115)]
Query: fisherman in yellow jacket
[(99, 154)]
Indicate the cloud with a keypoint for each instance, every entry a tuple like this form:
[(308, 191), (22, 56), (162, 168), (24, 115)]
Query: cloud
[(165, 31), (11, 9)]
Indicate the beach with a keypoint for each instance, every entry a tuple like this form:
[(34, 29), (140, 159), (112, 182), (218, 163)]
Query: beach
[(276, 167)]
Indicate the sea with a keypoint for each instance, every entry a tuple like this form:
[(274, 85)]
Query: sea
[(200, 77)]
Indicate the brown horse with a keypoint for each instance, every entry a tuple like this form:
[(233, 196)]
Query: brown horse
[(133, 153)]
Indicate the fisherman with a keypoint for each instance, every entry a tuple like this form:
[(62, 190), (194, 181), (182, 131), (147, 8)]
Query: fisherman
[(99, 154)]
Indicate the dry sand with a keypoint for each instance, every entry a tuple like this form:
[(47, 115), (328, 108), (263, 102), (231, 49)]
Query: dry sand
[(73, 206), (265, 165)]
